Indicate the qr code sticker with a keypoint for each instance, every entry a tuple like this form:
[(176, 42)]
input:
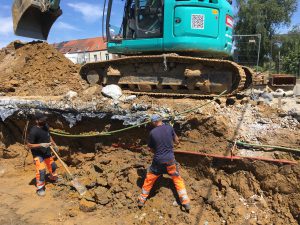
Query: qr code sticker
[(198, 21)]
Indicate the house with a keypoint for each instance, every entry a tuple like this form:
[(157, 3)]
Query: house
[(85, 50)]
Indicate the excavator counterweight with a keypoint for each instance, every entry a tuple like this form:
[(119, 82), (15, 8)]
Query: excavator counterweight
[(34, 18)]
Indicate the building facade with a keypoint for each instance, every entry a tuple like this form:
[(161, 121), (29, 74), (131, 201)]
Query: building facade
[(85, 50)]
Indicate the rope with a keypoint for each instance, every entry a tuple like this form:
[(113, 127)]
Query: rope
[(98, 134), (267, 146)]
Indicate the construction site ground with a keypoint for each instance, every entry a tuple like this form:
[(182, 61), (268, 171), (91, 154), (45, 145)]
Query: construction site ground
[(113, 168)]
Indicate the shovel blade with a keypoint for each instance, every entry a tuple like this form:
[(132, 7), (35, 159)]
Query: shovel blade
[(78, 186), (31, 20)]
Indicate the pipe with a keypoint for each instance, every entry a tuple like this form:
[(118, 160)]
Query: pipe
[(117, 145), (236, 157), (267, 146)]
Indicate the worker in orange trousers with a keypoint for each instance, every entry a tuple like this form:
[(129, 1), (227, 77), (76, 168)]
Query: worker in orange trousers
[(161, 142), (39, 141)]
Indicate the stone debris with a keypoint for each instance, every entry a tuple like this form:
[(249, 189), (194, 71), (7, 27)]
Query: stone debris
[(112, 91), (87, 206), (71, 95)]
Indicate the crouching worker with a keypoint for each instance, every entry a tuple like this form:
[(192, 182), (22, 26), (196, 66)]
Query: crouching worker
[(39, 141), (161, 142)]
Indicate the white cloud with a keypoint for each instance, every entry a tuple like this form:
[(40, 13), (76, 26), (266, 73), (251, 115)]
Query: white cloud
[(66, 26), (90, 12), (6, 27)]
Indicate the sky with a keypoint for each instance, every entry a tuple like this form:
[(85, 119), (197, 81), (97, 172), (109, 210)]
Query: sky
[(80, 19)]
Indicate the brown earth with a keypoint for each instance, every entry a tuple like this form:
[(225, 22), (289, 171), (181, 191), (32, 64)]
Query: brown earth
[(37, 69), (113, 168), (222, 191)]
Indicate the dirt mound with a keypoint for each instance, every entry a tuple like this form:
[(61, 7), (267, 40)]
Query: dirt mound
[(36, 68), (222, 192)]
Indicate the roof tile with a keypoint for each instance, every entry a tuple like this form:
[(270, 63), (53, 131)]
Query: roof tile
[(81, 45)]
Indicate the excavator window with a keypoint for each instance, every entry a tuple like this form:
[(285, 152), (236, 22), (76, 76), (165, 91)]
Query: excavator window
[(149, 18), (141, 19)]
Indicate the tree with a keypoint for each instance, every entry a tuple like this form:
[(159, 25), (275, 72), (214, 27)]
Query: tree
[(263, 17), (291, 51)]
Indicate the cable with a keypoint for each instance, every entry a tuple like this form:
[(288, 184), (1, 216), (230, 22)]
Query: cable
[(236, 157), (267, 146), (98, 134)]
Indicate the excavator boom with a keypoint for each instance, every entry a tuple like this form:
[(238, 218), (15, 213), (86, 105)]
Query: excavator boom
[(34, 18)]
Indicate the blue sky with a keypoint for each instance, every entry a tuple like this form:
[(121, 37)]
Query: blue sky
[(81, 19)]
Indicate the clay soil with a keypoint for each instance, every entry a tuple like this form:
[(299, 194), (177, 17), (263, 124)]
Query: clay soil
[(36, 69), (113, 168), (221, 193)]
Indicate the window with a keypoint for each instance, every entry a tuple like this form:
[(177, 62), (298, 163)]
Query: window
[(149, 18), (140, 19), (95, 58), (107, 56)]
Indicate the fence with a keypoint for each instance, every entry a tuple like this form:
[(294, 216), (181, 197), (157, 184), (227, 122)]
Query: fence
[(246, 49)]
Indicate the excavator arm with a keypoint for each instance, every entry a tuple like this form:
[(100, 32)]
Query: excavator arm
[(34, 18)]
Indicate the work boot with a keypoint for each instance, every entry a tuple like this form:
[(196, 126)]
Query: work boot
[(187, 207), (41, 192), (141, 204)]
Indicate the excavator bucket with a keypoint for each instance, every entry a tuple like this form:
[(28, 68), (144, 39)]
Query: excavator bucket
[(33, 18)]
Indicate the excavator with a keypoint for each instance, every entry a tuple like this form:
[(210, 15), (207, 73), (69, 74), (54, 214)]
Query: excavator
[(164, 47)]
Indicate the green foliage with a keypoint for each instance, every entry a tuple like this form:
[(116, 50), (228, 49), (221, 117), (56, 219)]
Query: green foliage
[(263, 17), (289, 51), (290, 63)]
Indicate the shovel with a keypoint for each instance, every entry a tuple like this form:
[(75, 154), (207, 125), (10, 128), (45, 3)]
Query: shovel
[(76, 184)]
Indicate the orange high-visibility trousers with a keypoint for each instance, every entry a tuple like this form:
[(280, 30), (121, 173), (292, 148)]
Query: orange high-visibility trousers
[(179, 183), (148, 184), (40, 170), (154, 173), (51, 166)]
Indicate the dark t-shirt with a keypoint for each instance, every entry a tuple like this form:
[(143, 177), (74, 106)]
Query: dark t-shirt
[(39, 135), (161, 141)]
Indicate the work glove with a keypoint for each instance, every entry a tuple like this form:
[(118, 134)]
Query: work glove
[(55, 148), (45, 145)]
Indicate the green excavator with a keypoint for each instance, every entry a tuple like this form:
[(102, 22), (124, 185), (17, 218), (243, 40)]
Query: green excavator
[(165, 47)]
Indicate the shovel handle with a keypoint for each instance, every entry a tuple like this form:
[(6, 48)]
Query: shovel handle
[(62, 162)]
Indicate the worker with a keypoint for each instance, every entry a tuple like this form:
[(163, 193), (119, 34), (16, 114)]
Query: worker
[(161, 141), (39, 141)]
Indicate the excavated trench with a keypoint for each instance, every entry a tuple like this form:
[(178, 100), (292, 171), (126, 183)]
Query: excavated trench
[(113, 169)]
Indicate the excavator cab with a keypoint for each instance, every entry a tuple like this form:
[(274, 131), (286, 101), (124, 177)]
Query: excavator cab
[(34, 18)]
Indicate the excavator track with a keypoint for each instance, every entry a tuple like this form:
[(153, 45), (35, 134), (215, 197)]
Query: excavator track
[(170, 75)]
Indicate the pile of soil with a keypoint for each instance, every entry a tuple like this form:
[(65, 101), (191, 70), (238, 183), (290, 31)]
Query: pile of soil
[(37, 69)]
